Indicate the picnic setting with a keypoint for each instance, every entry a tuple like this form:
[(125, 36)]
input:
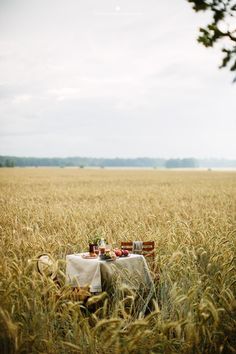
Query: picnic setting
[(106, 269), (117, 177)]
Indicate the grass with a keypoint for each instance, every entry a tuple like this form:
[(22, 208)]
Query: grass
[(191, 217)]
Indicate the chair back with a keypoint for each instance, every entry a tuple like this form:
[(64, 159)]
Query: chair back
[(147, 248)]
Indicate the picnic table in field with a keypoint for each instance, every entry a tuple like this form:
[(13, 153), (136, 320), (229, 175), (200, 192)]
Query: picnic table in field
[(130, 272)]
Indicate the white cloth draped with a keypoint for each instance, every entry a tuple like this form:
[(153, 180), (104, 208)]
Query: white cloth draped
[(137, 247), (82, 272)]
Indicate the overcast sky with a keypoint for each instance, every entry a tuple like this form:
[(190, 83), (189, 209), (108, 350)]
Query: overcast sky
[(109, 78)]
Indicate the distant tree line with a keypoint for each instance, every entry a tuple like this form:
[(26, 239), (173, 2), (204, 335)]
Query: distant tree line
[(80, 162), (12, 161), (7, 162), (182, 163)]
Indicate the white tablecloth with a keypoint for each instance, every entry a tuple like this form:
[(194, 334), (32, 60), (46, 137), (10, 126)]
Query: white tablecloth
[(82, 272)]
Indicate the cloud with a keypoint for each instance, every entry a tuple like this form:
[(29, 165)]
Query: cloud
[(24, 98), (65, 93)]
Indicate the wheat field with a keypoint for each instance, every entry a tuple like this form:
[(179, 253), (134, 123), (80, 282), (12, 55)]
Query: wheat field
[(189, 214)]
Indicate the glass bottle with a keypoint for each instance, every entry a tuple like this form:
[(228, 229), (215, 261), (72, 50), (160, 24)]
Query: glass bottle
[(102, 246)]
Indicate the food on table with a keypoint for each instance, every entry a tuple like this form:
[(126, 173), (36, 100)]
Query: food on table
[(121, 253), (108, 255), (118, 252), (96, 250), (93, 255), (89, 255), (125, 253)]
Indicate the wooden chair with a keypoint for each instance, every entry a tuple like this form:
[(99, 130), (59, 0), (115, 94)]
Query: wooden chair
[(148, 249)]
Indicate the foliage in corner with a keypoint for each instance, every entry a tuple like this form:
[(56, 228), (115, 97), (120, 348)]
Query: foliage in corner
[(223, 14)]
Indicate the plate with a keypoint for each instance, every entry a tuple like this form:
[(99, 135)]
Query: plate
[(87, 256)]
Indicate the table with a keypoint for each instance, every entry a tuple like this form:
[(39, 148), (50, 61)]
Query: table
[(132, 271)]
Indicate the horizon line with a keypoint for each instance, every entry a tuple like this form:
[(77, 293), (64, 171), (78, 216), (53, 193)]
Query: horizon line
[(118, 157)]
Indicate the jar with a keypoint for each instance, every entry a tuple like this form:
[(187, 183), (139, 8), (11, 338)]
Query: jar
[(102, 246), (91, 248)]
